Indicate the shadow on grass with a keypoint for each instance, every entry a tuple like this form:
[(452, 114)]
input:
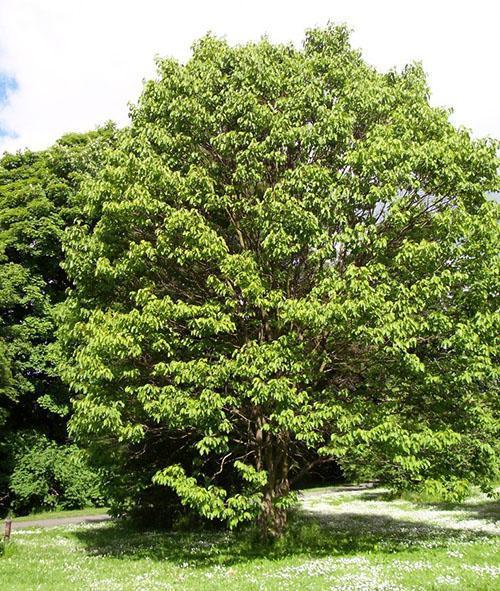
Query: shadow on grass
[(487, 510), (309, 536)]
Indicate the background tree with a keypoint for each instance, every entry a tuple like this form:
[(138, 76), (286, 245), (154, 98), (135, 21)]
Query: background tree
[(36, 190), (288, 258)]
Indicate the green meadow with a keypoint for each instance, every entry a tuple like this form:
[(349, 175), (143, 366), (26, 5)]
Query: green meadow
[(349, 539)]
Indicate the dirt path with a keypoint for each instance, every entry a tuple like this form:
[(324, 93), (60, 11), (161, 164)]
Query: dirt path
[(56, 521)]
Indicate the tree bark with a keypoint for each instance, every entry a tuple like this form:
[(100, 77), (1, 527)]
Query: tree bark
[(273, 519)]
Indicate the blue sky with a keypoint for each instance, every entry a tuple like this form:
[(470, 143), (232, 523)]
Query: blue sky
[(8, 85), (78, 63)]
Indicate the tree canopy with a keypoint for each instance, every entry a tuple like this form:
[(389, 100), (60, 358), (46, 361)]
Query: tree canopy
[(288, 257)]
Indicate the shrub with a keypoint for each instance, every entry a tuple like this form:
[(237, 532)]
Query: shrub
[(50, 476)]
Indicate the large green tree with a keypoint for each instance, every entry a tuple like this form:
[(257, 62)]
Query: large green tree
[(288, 258)]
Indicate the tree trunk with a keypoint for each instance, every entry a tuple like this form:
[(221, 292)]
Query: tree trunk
[(273, 519)]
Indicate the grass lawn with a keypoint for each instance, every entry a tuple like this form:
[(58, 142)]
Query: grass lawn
[(60, 514), (341, 539)]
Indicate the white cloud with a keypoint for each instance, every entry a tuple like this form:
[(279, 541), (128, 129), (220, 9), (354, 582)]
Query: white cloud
[(78, 62)]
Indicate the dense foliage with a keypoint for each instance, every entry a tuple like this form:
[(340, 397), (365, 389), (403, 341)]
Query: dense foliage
[(36, 190), (47, 475), (287, 258)]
